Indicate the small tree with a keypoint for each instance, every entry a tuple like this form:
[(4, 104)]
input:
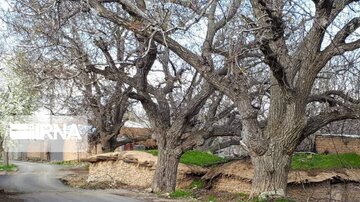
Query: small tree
[(18, 96)]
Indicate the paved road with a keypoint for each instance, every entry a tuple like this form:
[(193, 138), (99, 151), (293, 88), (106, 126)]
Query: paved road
[(39, 183)]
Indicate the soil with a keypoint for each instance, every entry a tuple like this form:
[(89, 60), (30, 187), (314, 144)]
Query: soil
[(79, 180), (232, 182), (8, 197)]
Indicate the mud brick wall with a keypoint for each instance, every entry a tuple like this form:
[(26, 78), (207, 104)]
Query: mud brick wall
[(337, 144), (134, 168)]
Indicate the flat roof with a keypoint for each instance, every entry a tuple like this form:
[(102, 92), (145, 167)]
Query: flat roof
[(338, 135)]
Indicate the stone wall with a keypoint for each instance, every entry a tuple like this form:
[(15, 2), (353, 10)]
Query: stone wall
[(337, 144), (134, 168)]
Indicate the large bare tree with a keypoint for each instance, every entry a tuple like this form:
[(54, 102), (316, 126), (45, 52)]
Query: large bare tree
[(171, 105), (295, 40), (92, 49)]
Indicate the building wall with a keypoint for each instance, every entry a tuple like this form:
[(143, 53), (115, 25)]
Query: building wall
[(337, 144), (74, 156), (36, 156), (73, 152)]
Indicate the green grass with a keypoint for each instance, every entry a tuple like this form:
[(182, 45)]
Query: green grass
[(197, 184), (211, 199), (200, 159), (283, 200), (153, 152), (179, 193), (300, 161), (245, 198), (72, 164), (197, 158), (242, 197), (64, 163), (7, 168), (67, 163), (303, 161)]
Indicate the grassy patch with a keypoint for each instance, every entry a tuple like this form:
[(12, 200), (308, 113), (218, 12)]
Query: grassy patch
[(245, 198), (300, 161), (303, 161), (77, 164), (153, 152), (179, 193), (65, 163), (7, 168), (198, 158), (197, 184), (242, 197), (211, 199), (283, 200)]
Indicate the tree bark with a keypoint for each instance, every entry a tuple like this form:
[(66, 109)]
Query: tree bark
[(271, 171), (166, 167), (166, 172), (105, 145)]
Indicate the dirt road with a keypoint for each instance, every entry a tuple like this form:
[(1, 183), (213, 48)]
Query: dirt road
[(39, 182)]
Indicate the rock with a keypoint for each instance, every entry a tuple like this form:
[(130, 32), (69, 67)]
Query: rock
[(272, 194), (130, 160), (149, 190), (147, 163)]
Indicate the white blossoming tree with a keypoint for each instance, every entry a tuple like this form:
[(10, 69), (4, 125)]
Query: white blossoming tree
[(18, 95)]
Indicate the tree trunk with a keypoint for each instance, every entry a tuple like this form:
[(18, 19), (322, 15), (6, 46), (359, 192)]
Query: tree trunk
[(271, 172), (6, 157), (166, 172), (166, 167), (105, 146)]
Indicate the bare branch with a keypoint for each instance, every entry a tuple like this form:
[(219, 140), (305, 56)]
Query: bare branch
[(329, 116)]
